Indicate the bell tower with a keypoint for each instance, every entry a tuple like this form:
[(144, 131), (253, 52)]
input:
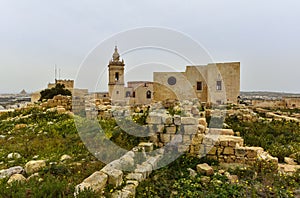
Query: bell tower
[(116, 77)]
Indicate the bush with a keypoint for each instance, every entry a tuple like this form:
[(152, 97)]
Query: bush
[(59, 89)]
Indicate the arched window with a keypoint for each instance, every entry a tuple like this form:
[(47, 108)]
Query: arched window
[(148, 94), (127, 94)]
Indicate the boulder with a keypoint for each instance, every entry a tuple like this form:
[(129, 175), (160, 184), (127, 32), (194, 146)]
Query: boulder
[(289, 161), (34, 166), (11, 171), (233, 178), (192, 172), (16, 178), (65, 158), (96, 182), (205, 169), (13, 156)]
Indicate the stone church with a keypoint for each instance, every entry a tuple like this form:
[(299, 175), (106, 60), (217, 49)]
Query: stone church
[(216, 83)]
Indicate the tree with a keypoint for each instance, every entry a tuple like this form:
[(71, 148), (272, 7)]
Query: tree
[(59, 89)]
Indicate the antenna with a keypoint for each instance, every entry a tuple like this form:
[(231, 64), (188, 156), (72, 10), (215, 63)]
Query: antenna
[(55, 70), (59, 74)]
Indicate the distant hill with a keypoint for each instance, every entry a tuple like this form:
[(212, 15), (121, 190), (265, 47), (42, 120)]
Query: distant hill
[(269, 94)]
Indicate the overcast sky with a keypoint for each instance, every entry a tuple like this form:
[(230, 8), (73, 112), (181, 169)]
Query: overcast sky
[(263, 35)]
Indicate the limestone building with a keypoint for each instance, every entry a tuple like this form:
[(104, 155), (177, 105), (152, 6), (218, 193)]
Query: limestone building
[(217, 83)]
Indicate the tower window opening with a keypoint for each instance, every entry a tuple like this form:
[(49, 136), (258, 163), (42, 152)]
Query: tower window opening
[(117, 76), (148, 94), (219, 85), (199, 85)]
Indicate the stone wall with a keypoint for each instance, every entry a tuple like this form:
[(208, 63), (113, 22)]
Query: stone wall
[(184, 84), (186, 131), (59, 101)]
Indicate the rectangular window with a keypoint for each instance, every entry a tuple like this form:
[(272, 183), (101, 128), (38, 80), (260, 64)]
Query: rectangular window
[(219, 85), (117, 76), (199, 85)]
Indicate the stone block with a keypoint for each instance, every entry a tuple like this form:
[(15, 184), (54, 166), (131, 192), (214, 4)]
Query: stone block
[(171, 129), (202, 121), (96, 182), (135, 176), (154, 119), (240, 152), (177, 120), (189, 121), (16, 178), (148, 146), (190, 129), (212, 151), (34, 166), (186, 139), (197, 139), (228, 151), (167, 119), (115, 176), (165, 138), (205, 169)]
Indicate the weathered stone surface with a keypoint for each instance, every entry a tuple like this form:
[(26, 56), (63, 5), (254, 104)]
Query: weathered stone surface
[(189, 121), (177, 120), (135, 176), (197, 139), (289, 161), (134, 182), (201, 128), (97, 182), (202, 121), (20, 126), (154, 119), (130, 188), (171, 129), (233, 141), (16, 178), (204, 180), (154, 160), (205, 169), (190, 129), (286, 168), (213, 151), (11, 171), (165, 137), (14, 156), (167, 119), (65, 158), (228, 151), (115, 176), (148, 146), (126, 162), (233, 178), (192, 172), (253, 152), (186, 139), (34, 166), (268, 158), (145, 169), (240, 152)]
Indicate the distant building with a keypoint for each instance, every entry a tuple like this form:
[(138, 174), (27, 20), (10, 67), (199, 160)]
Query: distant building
[(69, 84), (213, 83)]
